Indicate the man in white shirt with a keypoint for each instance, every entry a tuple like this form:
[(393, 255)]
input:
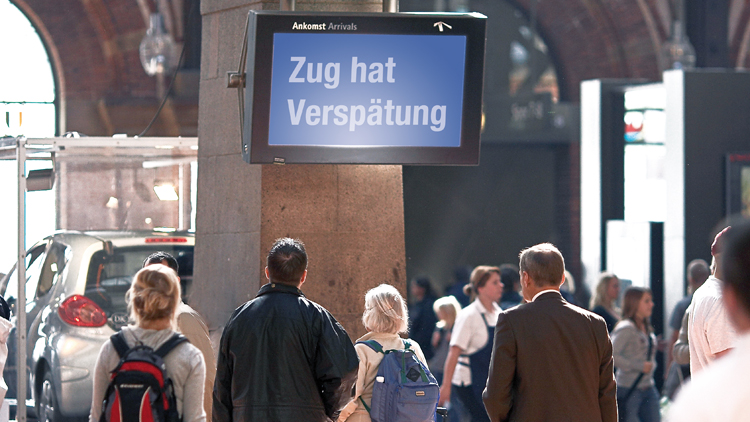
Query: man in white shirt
[(721, 392), (710, 334)]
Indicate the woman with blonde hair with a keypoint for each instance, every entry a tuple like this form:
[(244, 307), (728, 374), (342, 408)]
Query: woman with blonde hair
[(467, 365), (634, 351), (384, 318), (603, 302), (446, 308), (153, 299)]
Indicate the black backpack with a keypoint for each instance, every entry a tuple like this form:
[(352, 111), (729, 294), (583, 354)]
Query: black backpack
[(140, 389)]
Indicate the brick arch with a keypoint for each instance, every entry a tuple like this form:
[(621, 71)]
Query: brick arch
[(104, 89), (596, 39), (53, 55), (79, 64)]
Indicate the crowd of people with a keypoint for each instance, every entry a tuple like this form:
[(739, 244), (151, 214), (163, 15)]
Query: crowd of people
[(512, 346)]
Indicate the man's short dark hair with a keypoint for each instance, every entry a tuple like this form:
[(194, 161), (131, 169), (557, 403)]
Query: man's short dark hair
[(698, 271), (162, 258), (543, 263), (287, 261), (736, 263)]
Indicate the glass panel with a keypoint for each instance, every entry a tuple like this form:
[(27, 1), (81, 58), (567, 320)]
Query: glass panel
[(125, 193)]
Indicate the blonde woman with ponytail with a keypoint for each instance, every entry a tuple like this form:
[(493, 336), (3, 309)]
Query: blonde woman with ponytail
[(385, 317), (153, 299)]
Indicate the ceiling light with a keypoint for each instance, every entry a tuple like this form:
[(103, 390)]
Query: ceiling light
[(156, 47)]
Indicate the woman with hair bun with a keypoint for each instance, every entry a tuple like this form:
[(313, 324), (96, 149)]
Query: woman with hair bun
[(153, 299), (385, 317), (468, 361)]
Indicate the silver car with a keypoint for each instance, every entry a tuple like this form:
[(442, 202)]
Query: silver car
[(75, 300)]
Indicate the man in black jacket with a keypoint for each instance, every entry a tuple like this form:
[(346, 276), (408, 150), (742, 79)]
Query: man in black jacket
[(283, 358)]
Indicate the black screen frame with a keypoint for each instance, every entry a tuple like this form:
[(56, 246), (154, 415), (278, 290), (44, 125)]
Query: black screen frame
[(262, 25), (735, 163)]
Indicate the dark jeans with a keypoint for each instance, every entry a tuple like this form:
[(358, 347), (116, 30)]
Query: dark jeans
[(642, 406), (471, 405)]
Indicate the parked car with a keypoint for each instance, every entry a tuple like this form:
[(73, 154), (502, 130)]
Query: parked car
[(75, 300)]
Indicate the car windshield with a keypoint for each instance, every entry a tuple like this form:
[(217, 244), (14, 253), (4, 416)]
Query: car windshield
[(109, 276)]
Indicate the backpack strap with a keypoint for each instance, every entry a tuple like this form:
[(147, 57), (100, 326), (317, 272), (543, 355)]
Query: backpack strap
[(170, 344), (365, 404), (374, 345), (121, 346)]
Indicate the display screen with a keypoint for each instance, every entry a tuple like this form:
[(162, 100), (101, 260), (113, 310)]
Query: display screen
[(367, 90)]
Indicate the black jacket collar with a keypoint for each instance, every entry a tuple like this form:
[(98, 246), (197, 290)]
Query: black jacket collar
[(279, 288)]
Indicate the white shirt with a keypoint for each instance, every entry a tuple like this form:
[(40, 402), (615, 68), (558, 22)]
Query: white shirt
[(719, 393), (470, 334), (709, 330)]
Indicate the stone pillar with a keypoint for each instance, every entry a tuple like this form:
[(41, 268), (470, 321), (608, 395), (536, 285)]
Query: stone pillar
[(350, 217)]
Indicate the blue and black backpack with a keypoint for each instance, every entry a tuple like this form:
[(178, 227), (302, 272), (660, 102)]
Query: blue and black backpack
[(404, 389)]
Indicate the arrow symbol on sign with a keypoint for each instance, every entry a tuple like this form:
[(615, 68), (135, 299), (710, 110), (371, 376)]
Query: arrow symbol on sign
[(441, 24)]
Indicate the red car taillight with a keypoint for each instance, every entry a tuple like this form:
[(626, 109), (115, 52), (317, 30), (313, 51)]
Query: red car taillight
[(166, 240), (82, 312)]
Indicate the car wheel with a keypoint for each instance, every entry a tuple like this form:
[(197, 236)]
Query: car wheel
[(46, 405)]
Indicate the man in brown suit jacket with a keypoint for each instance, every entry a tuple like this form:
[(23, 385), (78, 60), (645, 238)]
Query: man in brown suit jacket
[(551, 361)]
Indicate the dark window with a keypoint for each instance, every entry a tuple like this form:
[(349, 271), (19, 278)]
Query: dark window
[(109, 276), (51, 269)]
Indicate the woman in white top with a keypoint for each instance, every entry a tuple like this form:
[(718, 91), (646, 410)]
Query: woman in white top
[(468, 361), (152, 300), (385, 317)]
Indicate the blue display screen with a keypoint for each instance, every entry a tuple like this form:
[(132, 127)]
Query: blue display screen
[(354, 90)]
